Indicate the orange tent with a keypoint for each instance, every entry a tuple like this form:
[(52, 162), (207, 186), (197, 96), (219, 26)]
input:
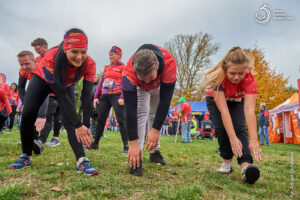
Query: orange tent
[(285, 122)]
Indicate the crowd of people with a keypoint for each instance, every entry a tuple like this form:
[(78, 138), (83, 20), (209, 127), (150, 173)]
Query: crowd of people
[(140, 94)]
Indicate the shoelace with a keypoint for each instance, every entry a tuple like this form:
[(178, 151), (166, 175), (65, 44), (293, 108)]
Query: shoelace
[(226, 165), (21, 160), (86, 164)]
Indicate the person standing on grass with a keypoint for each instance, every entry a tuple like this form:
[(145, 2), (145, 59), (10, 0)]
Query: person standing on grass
[(232, 100), (148, 84), (109, 94), (174, 120), (5, 108), (186, 118), (165, 126), (14, 103), (60, 68), (263, 122)]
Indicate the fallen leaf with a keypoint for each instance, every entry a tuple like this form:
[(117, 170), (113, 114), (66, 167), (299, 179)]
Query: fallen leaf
[(219, 186), (57, 189), (28, 185), (183, 158), (59, 164), (168, 170), (67, 163), (62, 174)]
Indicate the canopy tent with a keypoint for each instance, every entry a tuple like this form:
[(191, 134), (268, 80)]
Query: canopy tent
[(285, 121), (198, 107)]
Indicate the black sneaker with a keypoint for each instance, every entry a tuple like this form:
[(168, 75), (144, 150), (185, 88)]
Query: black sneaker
[(250, 174), (125, 149), (94, 146), (138, 171), (156, 157), (38, 147)]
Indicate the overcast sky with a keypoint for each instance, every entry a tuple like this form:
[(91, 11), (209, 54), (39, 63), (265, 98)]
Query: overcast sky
[(131, 23)]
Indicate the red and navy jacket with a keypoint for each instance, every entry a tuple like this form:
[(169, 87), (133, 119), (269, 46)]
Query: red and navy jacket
[(166, 78), (45, 70), (14, 98), (174, 115), (186, 110), (231, 91), (263, 119), (111, 73)]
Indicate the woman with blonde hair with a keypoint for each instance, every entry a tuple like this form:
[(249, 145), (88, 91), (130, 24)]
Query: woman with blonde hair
[(231, 99)]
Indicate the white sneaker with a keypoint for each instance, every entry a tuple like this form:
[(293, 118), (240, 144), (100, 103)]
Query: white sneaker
[(225, 168)]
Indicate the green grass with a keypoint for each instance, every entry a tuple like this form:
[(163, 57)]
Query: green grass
[(190, 173)]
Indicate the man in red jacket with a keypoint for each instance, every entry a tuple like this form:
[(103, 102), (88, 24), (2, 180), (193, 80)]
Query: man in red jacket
[(186, 118), (148, 84)]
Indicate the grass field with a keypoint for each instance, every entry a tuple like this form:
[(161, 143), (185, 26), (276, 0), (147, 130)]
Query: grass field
[(190, 173)]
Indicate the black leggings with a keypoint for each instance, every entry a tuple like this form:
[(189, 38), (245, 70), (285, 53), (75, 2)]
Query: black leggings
[(12, 117), (106, 102), (236, 110), (36, 93), (52, 112)]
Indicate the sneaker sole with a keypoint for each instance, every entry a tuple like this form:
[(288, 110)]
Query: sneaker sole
[(53, 145), (95, 173), (252, 174), (226, 172), (11, 168)]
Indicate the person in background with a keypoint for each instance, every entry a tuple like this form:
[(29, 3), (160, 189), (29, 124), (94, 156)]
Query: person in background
[(14, 103), (174, 120), (165, 127), (263, 122), (108, 95), (194, 128), (5, 108), (186, 118)]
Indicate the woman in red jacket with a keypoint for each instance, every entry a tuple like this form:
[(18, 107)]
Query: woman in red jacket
[(109, 94), (13, 103), (231, 104), (5, 108), (60, 68)]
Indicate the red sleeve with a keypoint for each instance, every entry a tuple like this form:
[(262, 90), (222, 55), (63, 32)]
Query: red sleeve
[(266, 113), (250, 84), (90, 70), (4, 98), (169, 73)]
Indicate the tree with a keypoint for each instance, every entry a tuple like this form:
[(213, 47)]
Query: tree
[(271, 87), (192, 54)]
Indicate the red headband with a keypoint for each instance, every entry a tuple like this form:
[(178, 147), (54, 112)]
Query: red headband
[(116, 50), (75, 40)]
